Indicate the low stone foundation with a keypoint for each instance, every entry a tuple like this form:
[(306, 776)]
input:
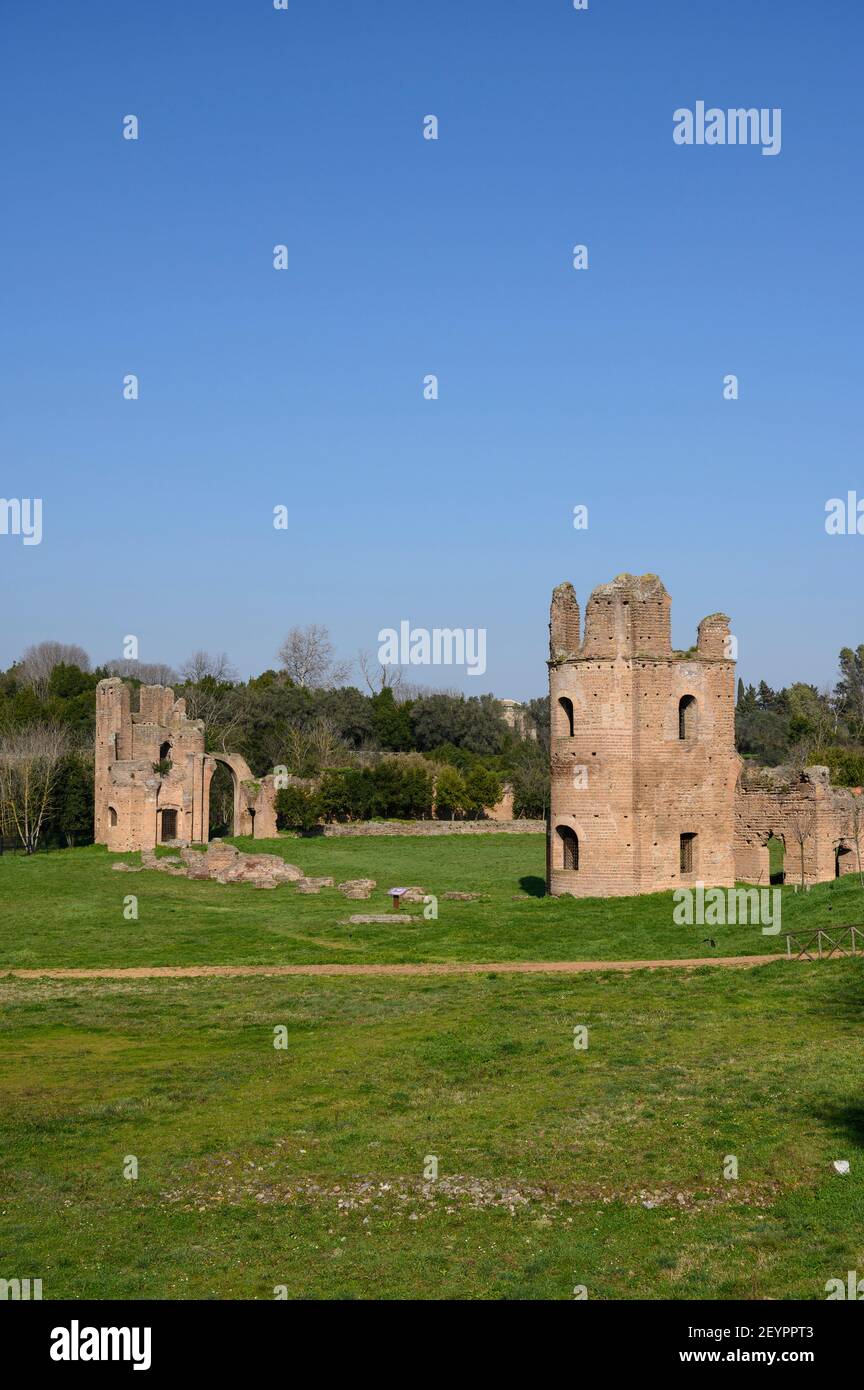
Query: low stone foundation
[(437, 827)]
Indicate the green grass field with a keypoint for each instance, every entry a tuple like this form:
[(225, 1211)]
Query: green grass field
[(303, 1168), (66, 909)]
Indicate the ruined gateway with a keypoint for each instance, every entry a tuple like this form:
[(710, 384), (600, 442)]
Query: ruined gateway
[(153, 775), (648, 792)]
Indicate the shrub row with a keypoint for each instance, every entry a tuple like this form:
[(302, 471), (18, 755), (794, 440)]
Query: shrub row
[(392, 790)]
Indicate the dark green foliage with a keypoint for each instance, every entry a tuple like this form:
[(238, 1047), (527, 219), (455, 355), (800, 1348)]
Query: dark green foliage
[(298, 808), (347, 794), (537, 721), (482, 789), (451, 794), (850, 689), (392, 789), (530, 779), (391, 723), (846, 765), (794, 724), (70, 820), (475, 723)]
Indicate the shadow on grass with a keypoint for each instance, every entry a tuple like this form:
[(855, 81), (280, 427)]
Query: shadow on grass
[(532, 885), (847, 1120)]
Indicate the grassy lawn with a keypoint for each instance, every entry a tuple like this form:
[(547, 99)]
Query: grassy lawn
[(304, 1167), (66, 909)]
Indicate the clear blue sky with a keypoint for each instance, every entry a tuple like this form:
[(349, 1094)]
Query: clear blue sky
[(410, 257)]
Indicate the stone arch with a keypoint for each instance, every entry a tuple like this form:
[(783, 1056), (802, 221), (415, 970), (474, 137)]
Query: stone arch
[(222, 802), (240, 773), (254, 797), (112, 815), (774, 846)]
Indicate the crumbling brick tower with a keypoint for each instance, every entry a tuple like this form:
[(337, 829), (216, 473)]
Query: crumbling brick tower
[(643, 755), (138, 806)]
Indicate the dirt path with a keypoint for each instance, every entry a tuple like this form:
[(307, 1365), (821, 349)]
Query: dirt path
[(497, 967)]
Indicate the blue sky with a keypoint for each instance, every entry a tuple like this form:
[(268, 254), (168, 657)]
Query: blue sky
[(407, 257)]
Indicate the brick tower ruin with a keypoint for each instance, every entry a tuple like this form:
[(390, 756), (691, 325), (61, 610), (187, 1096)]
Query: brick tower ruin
[(153, 775), (643, 758)]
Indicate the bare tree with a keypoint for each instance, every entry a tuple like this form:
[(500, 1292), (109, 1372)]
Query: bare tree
[(309, 750), (147, 672), (831, 713), (308, 658), (803, 821), (212, 665), (30, 761), (223, 708), (378, 677), (39, 661)]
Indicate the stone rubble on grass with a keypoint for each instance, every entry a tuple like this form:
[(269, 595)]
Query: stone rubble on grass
[(221, 863), (226, 864), (357, 887), (364, 919), (413, 895), (312, 885), (168, 864)]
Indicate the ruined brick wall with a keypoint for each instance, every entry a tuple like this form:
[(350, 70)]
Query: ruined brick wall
[(136, 806), (625, 786), (812, 819), (503, 809)]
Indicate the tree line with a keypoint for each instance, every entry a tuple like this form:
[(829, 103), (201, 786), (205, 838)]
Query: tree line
[(386, 750), (375, 748), (801, 725)]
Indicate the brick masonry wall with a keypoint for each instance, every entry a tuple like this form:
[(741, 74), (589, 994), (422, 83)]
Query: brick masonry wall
[(131, 799), (806, 813), (624, 781)]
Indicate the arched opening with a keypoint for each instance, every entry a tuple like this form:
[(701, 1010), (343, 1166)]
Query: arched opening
[(569, 851), (222, 803), (687, 716), (165, 751), (843, 860), (566, 707), (169, 825), (776, 848), (112, 816)]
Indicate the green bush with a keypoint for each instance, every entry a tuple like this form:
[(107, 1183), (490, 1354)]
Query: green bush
[(392, 788), (297, 808), (451, 794), (846, 765), (482, 791)]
